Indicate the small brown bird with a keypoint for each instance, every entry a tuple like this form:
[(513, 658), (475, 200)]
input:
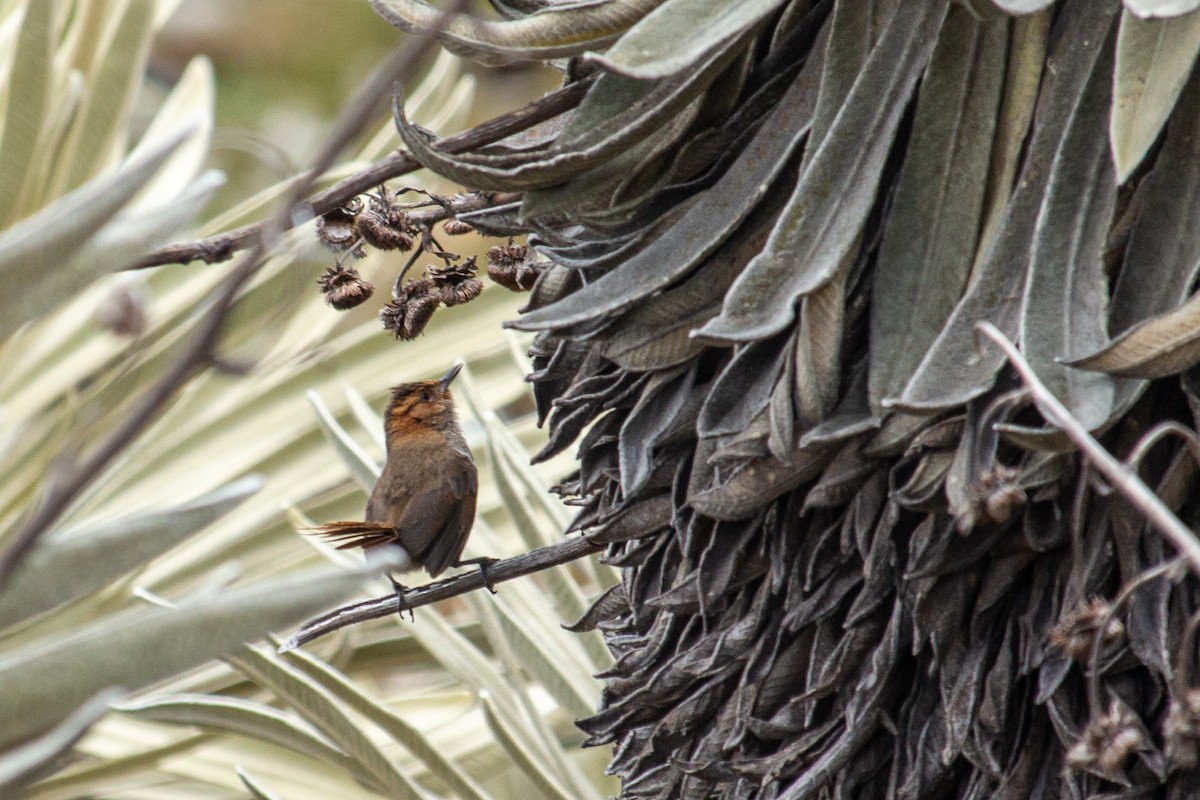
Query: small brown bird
[(424, 500)]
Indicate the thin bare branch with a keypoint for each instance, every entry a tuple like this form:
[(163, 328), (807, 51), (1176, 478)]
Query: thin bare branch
[(200, 351), (223, 246), (504, 570), (1122, 478)]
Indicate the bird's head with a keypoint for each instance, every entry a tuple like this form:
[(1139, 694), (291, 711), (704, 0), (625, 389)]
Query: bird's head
[(422, 403)]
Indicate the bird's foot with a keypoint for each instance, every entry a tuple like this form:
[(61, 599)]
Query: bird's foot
[(402, 604), (483, 563)]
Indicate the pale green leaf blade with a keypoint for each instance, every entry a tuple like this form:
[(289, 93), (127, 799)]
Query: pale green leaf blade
[(329, 715), (34, 252), (526, 759), (1154, 59), (235, 715), (412, 739), (75, 563), (110, 94), (361, 466), (28, 97), (49, 679), (139, 228), (254, 787), (189, 106), (31, 760)]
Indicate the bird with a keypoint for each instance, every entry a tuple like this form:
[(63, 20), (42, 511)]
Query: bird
[(423, 503)]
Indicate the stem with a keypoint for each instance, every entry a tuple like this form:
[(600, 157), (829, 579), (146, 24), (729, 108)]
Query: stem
[(1122, 478), (503, 570), (222, 246)]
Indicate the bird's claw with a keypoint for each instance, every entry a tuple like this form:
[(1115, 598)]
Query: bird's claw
[(402, 604), (483, 563)]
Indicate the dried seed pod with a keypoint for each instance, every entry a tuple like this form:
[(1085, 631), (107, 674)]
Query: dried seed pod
[(1076, 631), (344, 288), (386, 227), (1181, 730), (1107, 742), (122, 312), (456, 283), (510, 266), (337, 229), (408, 314), (456, 227), (994, 499)]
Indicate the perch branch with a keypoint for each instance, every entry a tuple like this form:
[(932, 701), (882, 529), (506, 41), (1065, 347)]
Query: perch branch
[(222, 246), (201, 350), (1122, 478), (504, 570)]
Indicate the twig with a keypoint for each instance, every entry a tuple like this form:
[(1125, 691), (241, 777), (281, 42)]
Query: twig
[(504, 570), (201, 350), (222, 246), (1122, 478)]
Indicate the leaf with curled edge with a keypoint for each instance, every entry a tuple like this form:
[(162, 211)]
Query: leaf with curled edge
[(702, 229), (930, 233), (953, 371), (1163, 345), (1154, 59), (552, 32), (616, 114), (653, 47), (837, 188), (609, 195)]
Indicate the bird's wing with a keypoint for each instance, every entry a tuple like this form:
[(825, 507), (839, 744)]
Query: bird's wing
[(434, 525)]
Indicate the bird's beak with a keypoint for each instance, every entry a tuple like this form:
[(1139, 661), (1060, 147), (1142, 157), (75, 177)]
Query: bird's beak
[(444, 383)]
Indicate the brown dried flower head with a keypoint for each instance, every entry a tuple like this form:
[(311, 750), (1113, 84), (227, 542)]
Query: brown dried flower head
[(1076, 631), (1107, 742), (456, 227), (344, 288), (337, 229), (509, 265), (994, 499), (408, 314), (385, 226), (1181, 730), (456, 283)]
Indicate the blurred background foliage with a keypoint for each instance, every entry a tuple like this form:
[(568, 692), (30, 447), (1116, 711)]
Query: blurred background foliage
[(171, 119)]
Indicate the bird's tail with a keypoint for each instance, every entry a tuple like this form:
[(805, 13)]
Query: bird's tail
[(355, 534)]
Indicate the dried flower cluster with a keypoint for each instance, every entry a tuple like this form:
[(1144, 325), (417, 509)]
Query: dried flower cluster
[(511, 266), (383, 223), (1075, 634), (416, 300), (344, 288)]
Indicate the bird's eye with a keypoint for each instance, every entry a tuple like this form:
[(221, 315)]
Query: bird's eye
[(425, 397)]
